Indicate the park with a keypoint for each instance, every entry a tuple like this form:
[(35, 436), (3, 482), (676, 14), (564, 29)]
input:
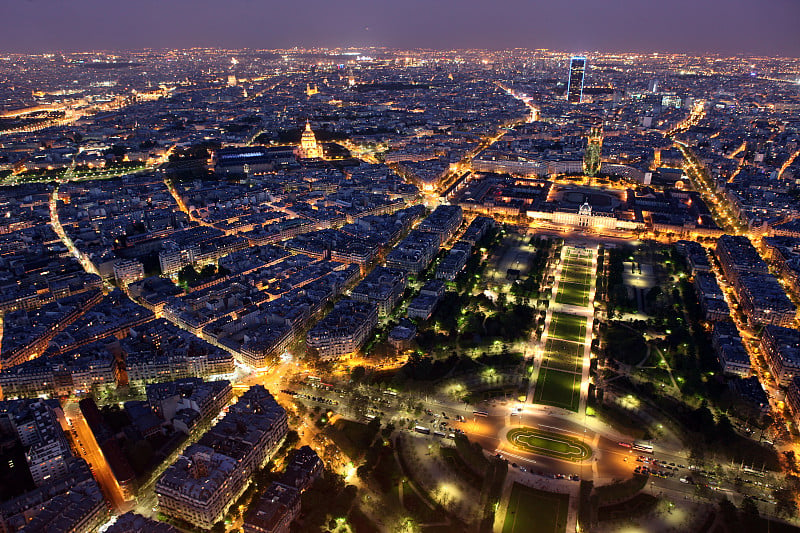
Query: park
[(556, 445)]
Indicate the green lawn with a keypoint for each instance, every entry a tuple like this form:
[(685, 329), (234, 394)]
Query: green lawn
[(567, 327), (563, 355), (557, 445), (535, 511), (573, 294), (558, 388), (575, 281), (576, 275), (571, 263)]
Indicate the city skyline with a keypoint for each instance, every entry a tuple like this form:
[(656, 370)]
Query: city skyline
[(738, 27), (381, 290)]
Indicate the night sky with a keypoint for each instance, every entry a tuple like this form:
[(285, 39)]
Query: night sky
[(758, 27)]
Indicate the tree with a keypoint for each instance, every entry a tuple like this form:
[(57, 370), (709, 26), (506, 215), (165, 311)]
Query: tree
[(725, 431), (701, 420), (728, 512), (791, 460), (117, 151), (292, 438), (750, 515), (652, 295), (187, 274), (363, 471), (358, 374), (785, 503), (208, 271)]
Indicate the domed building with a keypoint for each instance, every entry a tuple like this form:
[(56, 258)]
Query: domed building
[(309, 147)]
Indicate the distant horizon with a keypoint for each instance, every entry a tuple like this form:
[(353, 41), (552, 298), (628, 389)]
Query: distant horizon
[(300, 48), (749, 28)]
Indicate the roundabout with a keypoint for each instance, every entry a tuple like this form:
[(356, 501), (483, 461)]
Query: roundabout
[(555, 445)]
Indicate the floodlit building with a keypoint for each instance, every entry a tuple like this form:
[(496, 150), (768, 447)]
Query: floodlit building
[(383, 286), (208, 477), (37, 426), (344, 330), (274, 511), (128, 271), (309, 148), (793, 397), (781, 348)]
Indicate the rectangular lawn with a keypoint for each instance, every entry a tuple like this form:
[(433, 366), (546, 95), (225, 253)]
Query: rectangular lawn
[(567, 327), (576, 275), (563, 355), (558, 388), (535, 511), (573, 294)]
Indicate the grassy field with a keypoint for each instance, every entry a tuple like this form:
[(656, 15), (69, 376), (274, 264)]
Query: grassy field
[(567, 327), (573, 294), (557, 445), (535, 511), (575, 281), (563, 355), (558, 388), (559, 378)]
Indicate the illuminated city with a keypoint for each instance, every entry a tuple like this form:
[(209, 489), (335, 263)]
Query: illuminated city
[(364, 289)]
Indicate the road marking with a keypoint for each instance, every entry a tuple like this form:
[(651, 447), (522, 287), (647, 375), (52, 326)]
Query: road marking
[(560, 429)]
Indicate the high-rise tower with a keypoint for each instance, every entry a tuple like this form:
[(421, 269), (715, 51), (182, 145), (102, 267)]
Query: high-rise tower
[(577, 68)]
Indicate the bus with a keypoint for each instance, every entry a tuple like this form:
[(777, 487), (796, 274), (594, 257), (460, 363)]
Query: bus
[(480, 413), (642, 446), (423, 430)]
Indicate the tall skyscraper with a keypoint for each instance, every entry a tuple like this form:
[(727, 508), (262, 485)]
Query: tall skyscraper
[(577, 67)]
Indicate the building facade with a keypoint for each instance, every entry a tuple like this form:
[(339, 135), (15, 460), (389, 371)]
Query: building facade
[(577, 70)]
